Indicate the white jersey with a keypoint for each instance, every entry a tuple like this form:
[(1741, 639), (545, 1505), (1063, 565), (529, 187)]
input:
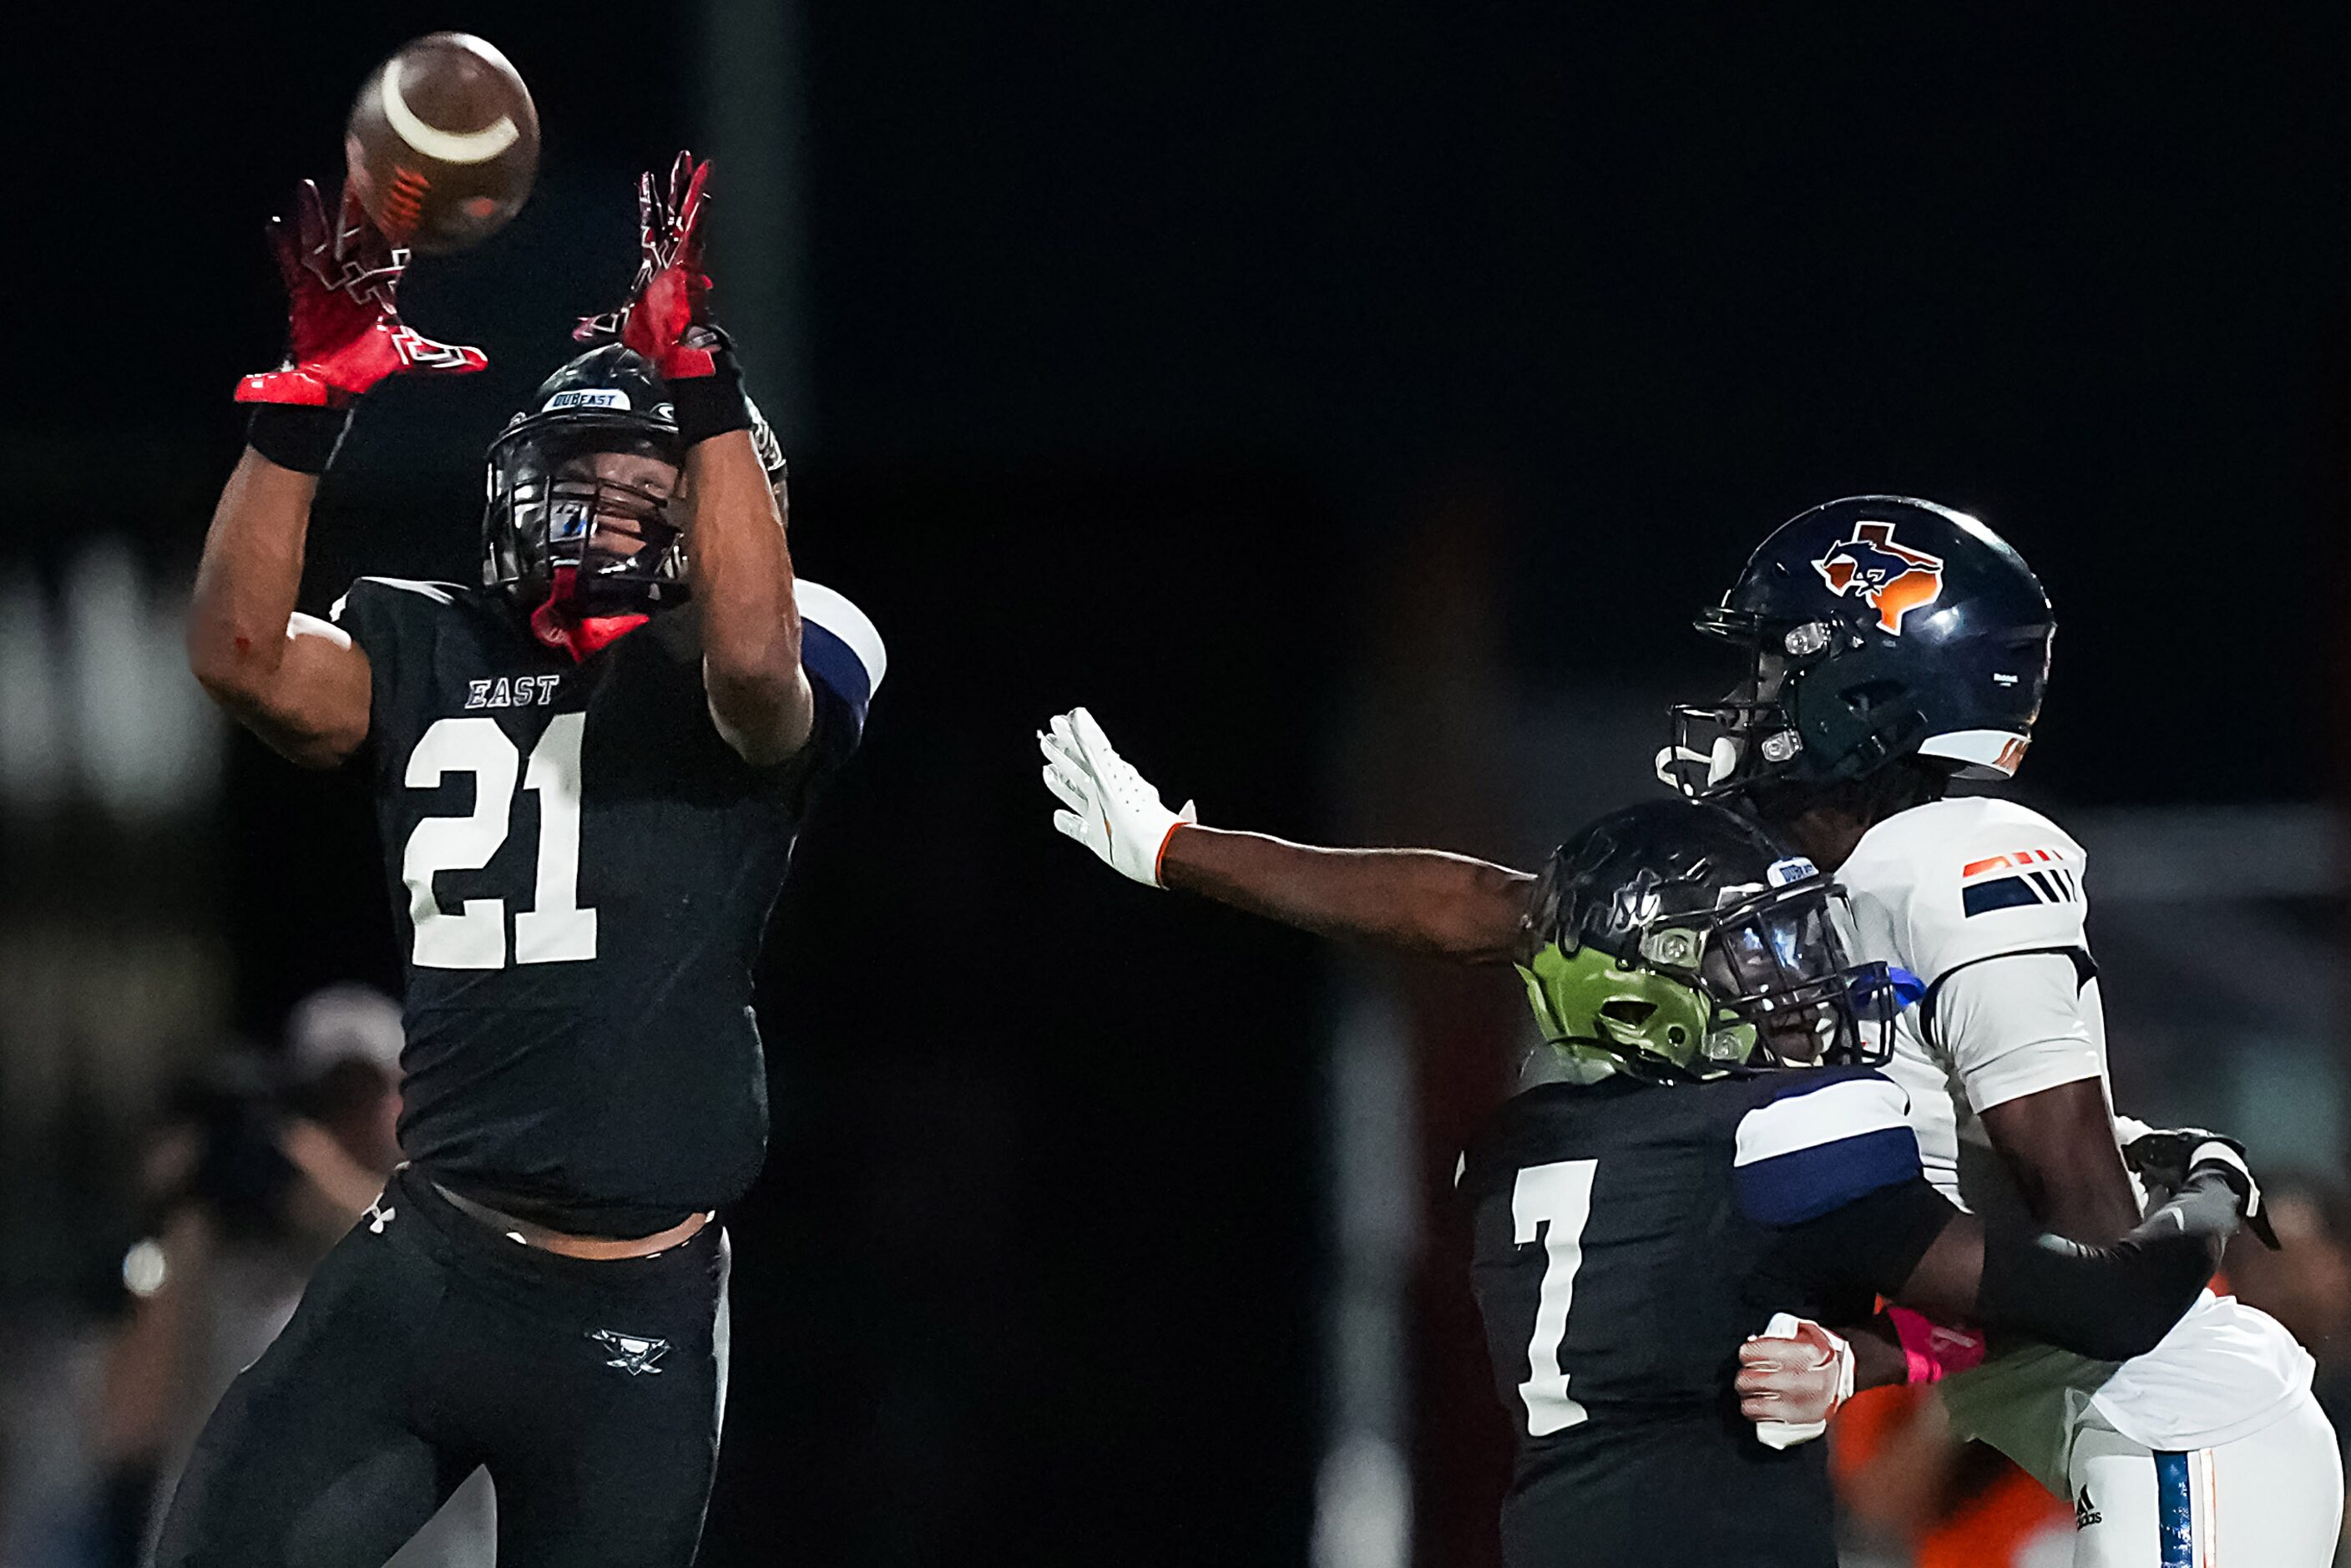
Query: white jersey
[(1937, 890)]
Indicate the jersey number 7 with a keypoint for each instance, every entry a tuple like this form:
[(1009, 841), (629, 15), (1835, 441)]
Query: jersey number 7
[(1554, 1201), (555, 929)]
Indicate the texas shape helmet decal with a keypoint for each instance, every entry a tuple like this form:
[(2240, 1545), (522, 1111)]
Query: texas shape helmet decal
[(1891, 579)]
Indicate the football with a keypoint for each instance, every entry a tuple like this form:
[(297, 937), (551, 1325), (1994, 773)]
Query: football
[(443, 143)]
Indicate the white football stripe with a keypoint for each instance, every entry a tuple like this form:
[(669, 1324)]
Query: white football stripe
[(1845, 1109), (1980, 748), (301, 626), (436, 592), (448, 146)]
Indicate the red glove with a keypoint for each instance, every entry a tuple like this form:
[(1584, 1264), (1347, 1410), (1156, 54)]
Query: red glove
[(666, 319), (344, 332)]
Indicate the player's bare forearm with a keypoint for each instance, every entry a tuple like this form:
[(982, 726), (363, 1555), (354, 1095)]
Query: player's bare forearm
[(297, 684), (1878, 1360), (759, 695), (1419, 900), (2059, 1145)]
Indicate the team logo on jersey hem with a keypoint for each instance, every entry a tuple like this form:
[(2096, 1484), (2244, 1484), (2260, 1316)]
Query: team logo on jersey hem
[(633, 1354), (1891, 579)]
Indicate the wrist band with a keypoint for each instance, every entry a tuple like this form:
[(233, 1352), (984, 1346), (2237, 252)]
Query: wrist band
[(1930, 1352), (297, 436), (711, 404)]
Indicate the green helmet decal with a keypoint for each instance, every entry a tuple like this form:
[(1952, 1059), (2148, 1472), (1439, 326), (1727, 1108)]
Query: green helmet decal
[(1589, 1002)]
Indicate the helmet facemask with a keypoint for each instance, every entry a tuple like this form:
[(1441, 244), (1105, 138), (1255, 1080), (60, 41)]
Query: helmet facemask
[(584, 527), (1764, 979), (1778, 962), (587, 510), (1719, 747), (1816, 706)]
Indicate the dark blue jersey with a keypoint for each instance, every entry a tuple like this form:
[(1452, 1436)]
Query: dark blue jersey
[(1628, 1238), (581, 870)]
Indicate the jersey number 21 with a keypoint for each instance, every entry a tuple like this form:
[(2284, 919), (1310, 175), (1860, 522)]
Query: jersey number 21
[(555, 929)]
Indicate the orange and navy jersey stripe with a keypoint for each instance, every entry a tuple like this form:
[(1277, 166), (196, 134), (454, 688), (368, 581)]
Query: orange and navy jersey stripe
[(2018, 878)]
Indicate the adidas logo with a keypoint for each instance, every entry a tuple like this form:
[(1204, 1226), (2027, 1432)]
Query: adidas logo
[(2085, 1513)]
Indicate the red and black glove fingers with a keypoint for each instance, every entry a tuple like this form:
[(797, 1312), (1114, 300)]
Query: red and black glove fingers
[(667, 317), (343, 331)]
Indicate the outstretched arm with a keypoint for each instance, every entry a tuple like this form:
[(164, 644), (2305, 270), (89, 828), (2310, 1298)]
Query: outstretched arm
[(295, 682), (298, 683), (1419, 900), (758, 695)]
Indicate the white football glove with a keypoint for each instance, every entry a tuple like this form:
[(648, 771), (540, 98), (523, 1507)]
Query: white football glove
[(1792, 1378), (1111, 810)]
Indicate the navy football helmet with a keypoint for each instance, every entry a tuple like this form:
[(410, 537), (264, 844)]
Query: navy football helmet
[(551, 500), (1876, 628)]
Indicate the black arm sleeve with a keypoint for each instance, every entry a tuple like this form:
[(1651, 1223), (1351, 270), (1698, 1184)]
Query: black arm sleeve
[(1871, 1244), (2110, 1303)]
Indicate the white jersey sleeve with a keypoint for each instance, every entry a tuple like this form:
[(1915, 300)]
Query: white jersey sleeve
[(2017, 1025), (1982, 899), (1970, 879)]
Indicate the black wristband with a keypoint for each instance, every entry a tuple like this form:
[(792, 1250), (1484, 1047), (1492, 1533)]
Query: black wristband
[(711, 404), (297, 436)]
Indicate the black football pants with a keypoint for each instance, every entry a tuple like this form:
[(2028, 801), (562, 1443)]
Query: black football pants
[(427, 1344)]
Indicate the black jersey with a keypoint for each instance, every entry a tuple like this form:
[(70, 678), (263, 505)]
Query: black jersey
[(581, 870), (1628, 1238)]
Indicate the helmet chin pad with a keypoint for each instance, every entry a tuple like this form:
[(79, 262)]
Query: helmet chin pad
[(565, 621)]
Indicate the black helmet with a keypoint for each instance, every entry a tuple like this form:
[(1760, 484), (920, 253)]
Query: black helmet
[(1876, 627), (1676, 939), (546, 496)]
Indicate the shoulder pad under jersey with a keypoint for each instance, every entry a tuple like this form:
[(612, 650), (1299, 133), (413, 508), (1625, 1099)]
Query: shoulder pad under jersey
[(839, 646), (1821, 1140)]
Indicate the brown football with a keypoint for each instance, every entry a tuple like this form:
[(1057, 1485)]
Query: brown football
[(443, 142)]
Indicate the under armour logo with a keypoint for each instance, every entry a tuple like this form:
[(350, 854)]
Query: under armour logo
[(378, 1216), (631, 1353)]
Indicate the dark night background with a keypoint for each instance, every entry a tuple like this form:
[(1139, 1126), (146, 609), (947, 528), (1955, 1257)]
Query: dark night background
[(1159, 356)]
